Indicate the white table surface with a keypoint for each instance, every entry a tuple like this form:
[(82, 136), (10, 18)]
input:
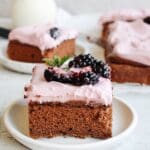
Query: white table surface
[(11, 88)]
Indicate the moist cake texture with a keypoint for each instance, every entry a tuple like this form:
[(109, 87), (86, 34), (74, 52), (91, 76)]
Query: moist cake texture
[(126, 38), (71, 118), (32, 43), (58, 108)]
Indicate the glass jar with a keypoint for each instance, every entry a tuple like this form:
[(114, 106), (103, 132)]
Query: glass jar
[(30, 12)]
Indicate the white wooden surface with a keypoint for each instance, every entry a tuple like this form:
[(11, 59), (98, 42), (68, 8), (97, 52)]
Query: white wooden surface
[(84, 6), (12, 83)]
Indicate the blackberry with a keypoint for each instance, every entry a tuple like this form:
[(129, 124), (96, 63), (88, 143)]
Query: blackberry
[(81, 61), (76, 78), (49, 75), (106, 73), (90, 78), (102, 69), (98, 67), (147, 20), (84, 78), (54, 33), (64, 78)]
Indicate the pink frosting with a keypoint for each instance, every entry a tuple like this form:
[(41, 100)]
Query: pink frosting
[(39, 36), (41, 91), (130, 41), (125, 15)]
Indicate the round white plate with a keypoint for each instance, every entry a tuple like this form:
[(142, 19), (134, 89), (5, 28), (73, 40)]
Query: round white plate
[(124, 121), (82, 46)]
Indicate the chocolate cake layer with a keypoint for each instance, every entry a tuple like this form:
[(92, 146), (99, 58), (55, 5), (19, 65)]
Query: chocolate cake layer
[(73, 118), (128, 73), (26, 53)]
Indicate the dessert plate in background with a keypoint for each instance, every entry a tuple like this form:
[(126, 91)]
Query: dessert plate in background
[(82, 46), (124, 122), (23, 67), (11, 64)]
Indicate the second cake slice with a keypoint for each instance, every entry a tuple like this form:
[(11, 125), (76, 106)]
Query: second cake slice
[(33, 43), (126, 38)]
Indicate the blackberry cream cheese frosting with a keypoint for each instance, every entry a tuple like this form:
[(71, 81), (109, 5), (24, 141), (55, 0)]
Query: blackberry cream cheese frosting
[(124, 15), (129, 35), (82, 81)]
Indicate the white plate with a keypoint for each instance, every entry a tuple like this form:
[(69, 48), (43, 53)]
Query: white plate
[(11, 64), (124, 121), (81, 47)]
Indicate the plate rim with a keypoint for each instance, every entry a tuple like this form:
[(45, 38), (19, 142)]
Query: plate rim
[(23, 138)]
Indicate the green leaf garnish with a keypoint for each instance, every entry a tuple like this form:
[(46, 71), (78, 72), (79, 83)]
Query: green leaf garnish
[(56, 61)]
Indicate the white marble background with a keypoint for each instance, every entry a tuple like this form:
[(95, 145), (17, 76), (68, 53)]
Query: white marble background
[(84, 6)]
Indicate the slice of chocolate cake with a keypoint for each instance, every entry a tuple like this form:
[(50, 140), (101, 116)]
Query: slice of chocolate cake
[(33, 43), (126, 38), (74, 101)]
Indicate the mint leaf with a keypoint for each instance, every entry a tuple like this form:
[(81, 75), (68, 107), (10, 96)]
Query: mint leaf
[(64, 59), (56, 61), (48, 61)]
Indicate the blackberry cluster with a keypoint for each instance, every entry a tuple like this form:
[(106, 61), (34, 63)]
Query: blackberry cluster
[(84, 78), (54, 33), (102, 69), (98, 67), (51, 75), (76, 78), (82, 61)]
